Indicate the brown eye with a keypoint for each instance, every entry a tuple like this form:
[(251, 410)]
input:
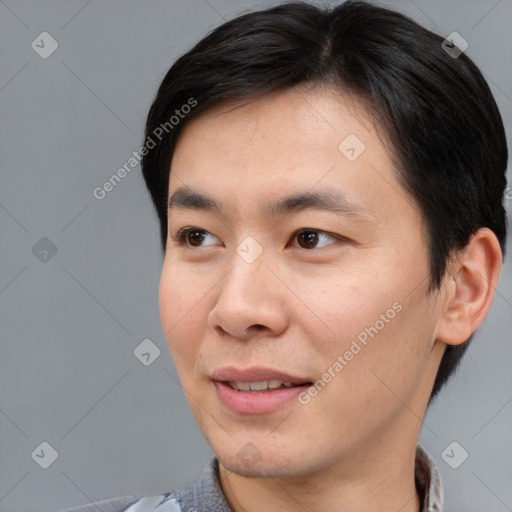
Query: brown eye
[(194, 237), (309, 238)]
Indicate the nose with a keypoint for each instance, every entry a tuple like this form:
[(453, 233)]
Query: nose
[(250, 300)]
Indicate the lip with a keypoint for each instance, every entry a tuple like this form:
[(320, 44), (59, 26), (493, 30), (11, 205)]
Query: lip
[(247, 403), (255, 374)]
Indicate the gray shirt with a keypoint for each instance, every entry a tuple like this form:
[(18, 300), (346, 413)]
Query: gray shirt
[(206, 495)]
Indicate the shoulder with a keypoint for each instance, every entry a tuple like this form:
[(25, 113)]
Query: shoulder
[(134, 503), (203, 495)]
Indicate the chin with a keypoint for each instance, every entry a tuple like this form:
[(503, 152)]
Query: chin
[(261, 469), (270, 462)]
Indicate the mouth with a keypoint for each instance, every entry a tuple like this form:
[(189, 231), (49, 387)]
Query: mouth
[(263, 386), (257, 390), (257, 378)]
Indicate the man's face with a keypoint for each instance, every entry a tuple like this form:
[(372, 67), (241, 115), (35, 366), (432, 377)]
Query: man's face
[(302, 295)]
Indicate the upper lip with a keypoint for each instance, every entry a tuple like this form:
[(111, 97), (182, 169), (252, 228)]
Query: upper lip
[(254, 374)]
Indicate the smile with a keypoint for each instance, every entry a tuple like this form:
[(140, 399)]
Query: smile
[(261, 386)]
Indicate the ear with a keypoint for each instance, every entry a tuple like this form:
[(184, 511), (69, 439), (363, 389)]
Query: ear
[(469, 285)]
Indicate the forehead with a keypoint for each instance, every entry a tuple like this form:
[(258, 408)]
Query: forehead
[(317, 116), (292, 140)]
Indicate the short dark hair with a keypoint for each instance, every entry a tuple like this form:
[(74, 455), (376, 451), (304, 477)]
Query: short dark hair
[(446, 133)]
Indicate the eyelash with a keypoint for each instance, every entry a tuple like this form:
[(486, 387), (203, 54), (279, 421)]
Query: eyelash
[(180, 237)]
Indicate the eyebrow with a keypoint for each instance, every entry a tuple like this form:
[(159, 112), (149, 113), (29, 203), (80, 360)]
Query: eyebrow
[(325, 200)]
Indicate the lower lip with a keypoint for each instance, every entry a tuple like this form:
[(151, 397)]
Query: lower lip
[(243, 402)]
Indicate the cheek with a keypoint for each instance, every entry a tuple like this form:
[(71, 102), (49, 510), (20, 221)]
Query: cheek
[(344, 306), (373, 322), (182, 311), (384, 362)]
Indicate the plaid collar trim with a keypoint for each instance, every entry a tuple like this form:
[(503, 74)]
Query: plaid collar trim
[(429, 480)]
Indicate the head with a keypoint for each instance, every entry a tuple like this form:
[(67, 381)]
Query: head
[(356, 106)]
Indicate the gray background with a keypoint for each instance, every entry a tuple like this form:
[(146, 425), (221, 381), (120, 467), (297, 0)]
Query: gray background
[(70, 324)]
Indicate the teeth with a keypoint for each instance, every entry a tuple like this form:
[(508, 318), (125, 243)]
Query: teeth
[(263, 385), (259, 386), (242, 386), (274, 384)]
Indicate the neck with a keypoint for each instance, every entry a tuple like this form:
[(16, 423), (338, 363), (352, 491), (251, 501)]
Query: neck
[(369, 482)]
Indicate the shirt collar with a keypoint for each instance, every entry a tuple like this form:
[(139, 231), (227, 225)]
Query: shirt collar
[(428, 480)]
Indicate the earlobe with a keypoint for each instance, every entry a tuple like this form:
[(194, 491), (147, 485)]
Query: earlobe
[(469, 285)]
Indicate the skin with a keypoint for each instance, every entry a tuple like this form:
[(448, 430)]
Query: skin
[(296, 309)]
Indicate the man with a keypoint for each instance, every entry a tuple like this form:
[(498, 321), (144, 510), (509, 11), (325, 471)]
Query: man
[(329, 185)]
